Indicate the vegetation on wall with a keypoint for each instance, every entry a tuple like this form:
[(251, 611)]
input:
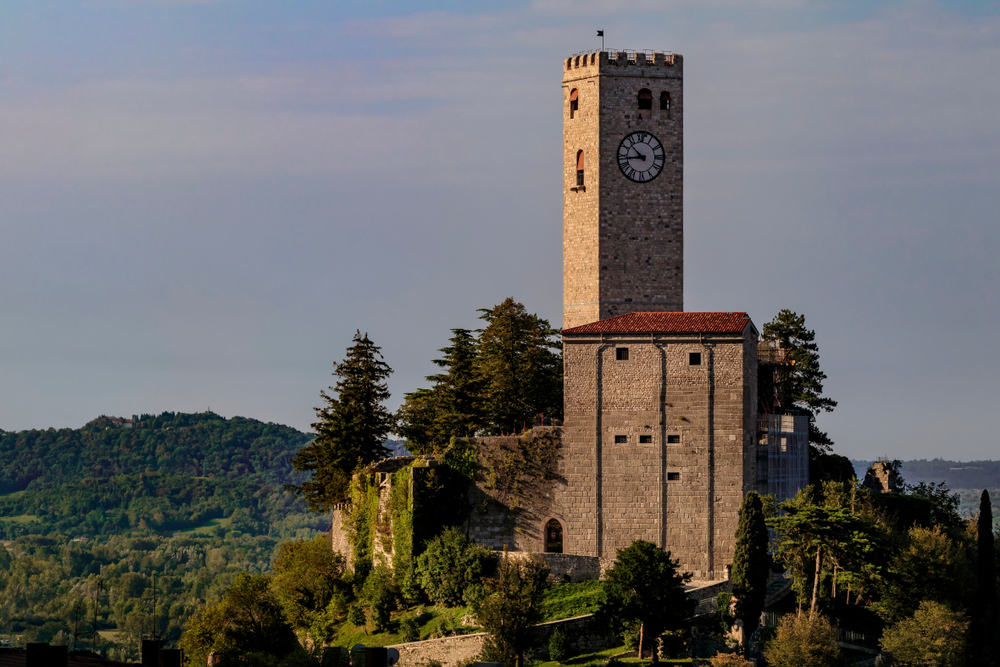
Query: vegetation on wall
[(516, 471)]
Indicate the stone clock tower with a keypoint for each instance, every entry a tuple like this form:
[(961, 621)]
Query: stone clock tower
[(623, 166)]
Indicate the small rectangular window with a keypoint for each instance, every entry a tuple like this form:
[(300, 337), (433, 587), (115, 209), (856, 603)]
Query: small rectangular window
[(621, 353), (694, 358), (673, 439), (673, 476), (621, 439), (645, 439)]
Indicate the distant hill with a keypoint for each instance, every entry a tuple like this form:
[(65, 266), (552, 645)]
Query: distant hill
[(172, 472), (194, 445)]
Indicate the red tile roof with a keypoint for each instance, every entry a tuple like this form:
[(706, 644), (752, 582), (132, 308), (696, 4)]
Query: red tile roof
[(666, 323)]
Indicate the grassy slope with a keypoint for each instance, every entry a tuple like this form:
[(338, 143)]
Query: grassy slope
[(561, 601)]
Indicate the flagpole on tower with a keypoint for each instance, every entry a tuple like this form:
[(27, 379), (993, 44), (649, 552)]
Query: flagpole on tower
[(600, 33)]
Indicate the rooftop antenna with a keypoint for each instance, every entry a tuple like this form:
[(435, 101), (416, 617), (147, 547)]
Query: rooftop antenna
[(600, 33)]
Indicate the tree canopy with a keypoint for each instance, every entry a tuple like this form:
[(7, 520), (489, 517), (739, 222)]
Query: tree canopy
[(751, 565), (510, 607), (351, 427), (494, 381), (520, 366), (799, 380), (644, 588)]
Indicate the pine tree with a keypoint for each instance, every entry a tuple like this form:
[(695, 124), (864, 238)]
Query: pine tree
[(451, 408), (351, 427), (750, 565), (521, 368), (801, 382)]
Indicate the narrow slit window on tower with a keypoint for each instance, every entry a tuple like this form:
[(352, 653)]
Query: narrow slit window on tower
[(694, 358), (645, 99), (645, 439), (574, 102), (579, 168), (674, 439), (673, 477), (621, 353), (621, 439), (665, 102)]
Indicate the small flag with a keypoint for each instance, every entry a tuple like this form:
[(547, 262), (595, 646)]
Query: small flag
[(600, 33)]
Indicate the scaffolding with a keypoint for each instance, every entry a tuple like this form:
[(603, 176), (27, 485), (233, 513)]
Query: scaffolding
[(782, 454)]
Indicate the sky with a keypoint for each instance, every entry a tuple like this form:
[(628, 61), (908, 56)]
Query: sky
[(202, 201)]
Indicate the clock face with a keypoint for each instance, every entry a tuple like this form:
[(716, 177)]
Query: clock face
[(640, 157)]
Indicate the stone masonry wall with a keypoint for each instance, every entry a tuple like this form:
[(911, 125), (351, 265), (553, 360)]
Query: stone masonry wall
[(655, 448), (583, 633), (622, 241)]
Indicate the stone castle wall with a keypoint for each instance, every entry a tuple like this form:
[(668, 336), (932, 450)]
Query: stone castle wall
[(655, 448), (623, 242)]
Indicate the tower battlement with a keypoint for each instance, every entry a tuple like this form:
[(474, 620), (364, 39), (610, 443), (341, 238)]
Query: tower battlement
[(612, 59)]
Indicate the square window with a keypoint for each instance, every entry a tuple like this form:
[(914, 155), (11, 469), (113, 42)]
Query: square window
[(673, 477), (621, 353), (694, 358), (621, 439), (673, 439), (645, 439)]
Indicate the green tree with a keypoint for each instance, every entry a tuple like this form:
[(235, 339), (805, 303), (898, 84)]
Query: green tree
[(799, 384), (450, 566), (510, 607), (644, 587), (558, 646), (521, 366), (929, 567), (451, 408), (249, 620), (751, 565), (823, 534), (307, 576), (803, 640), (985, 602), (351, 427), (933, 637)]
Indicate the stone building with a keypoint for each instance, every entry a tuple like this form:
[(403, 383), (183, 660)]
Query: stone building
[(664, 432), (666, 423), (623, 177)]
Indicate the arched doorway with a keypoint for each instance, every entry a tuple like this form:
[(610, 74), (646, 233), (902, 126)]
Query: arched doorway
[(553, 537)]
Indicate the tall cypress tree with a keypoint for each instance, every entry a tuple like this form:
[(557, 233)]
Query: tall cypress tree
[(351, 427), (984, 612), (750, 565)]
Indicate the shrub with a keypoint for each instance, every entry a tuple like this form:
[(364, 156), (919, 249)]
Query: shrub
[(408, 628), (558, 647), (729, 660), (449, 565), (803, 640), (356, 615)]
